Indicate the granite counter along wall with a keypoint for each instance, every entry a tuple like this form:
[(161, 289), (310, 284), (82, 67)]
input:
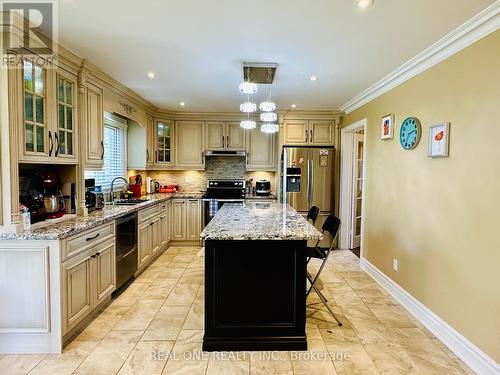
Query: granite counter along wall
[(215, 168)]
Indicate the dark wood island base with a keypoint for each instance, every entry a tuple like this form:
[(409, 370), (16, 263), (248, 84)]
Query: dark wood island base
[(255, 295)]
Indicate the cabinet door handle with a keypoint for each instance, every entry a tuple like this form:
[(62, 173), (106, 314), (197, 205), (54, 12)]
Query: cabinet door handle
[(147, 155), (51, 142), (102, 146), (156, 155), (227, 141), (93, 238), (97, 254), (307, 136), (57, 144), (311, 136), (223, 142), (248, 156)]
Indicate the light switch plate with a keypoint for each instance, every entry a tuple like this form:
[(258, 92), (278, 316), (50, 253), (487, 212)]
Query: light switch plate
[(395, 264)]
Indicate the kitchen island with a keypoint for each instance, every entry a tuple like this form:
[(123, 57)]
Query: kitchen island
[(255, 278)]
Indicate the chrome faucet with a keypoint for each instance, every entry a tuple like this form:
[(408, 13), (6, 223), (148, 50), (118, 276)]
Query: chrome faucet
[(111, 195)]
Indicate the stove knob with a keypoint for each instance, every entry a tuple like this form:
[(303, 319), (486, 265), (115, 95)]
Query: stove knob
[(215, 183), (236, 183)]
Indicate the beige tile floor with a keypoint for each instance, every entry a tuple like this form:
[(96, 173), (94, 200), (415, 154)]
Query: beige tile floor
[(156, 327)]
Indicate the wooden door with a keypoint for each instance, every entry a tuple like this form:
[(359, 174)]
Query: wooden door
[(296, 132), (77, 289), (156, 234), (179, 219), (235, 137), (95, 127), (105, 270), (36, 141), (261, 150), (193, 220), (215, 135), (321, 133), (66, 134), (357, 190), (189, 142), (164, 139), (145, 243)]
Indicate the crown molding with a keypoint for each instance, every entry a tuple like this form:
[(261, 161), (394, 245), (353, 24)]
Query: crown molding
[(476, 28)]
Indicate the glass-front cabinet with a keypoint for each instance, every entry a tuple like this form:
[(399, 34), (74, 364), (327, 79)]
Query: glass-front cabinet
[(48, 131), (164, 141), (37, 138)]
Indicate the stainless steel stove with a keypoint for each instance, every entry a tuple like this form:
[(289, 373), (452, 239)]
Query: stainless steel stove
[(220, 192)]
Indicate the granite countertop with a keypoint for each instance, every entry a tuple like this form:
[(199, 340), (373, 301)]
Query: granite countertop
[(256, 220), (71, 225), (261, 197)]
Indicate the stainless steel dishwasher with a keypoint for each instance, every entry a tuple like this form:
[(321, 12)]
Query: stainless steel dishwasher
[(126, 248)]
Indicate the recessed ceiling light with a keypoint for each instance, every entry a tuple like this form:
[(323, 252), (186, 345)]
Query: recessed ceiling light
[(293, 105), (151, 75), (182, 104), (313, 78), (363, 4)]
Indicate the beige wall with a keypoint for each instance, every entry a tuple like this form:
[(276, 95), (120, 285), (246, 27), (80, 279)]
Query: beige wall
[(441, 217)]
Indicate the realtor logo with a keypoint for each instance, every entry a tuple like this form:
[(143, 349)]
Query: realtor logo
[(29, 32)]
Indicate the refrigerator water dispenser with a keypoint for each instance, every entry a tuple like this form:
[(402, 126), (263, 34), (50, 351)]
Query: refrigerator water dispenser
[(293, 180)]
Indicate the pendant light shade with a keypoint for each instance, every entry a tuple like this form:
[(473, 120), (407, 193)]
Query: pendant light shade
[(267, 106), (248, 107), (248, 88), (248, 124), (269, 128), (268, 116)]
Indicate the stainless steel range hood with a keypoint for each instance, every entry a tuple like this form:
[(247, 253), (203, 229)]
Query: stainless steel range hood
[(225, 153)]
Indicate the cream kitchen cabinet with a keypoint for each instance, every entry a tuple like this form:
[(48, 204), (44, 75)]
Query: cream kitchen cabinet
[(87, 280), (165, 223), (145, 244), (163, 141), (186, 219), (309, 132), (193, 219), (224, 136), (47, 118), (94, 129), (140, 144), (261, 151), (178, 219), (149, 235), (189, 144)]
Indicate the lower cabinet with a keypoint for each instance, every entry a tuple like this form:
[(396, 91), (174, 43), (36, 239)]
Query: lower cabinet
[(165, 223), (186, 219), (88, 279), (145, 241)]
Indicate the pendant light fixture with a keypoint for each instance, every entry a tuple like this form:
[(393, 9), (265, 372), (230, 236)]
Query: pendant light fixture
[(248, 124), (248, 107), (268, 116), (269, 127), (247, 87)]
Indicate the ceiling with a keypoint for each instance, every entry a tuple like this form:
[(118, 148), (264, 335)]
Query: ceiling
[(195, 48)]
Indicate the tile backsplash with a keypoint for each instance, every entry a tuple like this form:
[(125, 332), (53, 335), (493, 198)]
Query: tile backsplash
[(215, 168)]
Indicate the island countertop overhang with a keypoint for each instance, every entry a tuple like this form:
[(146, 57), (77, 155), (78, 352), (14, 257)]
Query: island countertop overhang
[(259, 221)]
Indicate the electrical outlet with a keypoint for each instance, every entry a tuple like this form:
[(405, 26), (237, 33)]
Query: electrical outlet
[(395, 264), (187, 180)]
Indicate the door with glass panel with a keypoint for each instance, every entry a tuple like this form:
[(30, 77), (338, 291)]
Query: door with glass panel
[(164, 140), (37, 140), (357, 190), (65, 136)]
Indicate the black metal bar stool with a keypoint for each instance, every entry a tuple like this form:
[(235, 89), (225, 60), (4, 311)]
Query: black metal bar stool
[(313, 214), (331, 225)]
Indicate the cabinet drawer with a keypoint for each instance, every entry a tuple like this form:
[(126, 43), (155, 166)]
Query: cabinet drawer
[(148, 213), (76, 244)]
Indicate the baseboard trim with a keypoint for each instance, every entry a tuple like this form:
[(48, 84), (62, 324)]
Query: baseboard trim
[(476, 359), (476, 28)]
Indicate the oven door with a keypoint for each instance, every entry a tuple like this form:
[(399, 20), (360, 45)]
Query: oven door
[(211, 206)]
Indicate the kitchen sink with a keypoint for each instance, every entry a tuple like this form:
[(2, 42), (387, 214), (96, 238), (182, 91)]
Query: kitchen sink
[(128, 202)]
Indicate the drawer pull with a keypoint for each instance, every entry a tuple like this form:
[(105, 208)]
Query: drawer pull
[(93, 238)]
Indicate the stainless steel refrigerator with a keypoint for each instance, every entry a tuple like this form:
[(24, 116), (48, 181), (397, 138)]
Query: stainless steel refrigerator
[(308, 180)]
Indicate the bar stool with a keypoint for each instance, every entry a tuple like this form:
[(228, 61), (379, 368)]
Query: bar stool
[(331, 225), (313, 214)]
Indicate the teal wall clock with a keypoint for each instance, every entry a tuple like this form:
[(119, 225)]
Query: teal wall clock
[(410, 133)]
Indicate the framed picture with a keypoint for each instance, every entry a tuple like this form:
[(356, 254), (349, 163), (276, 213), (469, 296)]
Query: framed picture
[(439, 136), (387, 127)]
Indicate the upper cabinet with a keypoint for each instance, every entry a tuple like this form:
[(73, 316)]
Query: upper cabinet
[(48, 126), (309, 132), (189, 144), (94, 129), (224, 136), (261, 148), (164, 139)]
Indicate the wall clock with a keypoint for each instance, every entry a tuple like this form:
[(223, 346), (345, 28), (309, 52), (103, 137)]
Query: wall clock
[(410, 133)]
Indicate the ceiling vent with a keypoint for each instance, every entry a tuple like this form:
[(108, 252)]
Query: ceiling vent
[(260, 73)]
